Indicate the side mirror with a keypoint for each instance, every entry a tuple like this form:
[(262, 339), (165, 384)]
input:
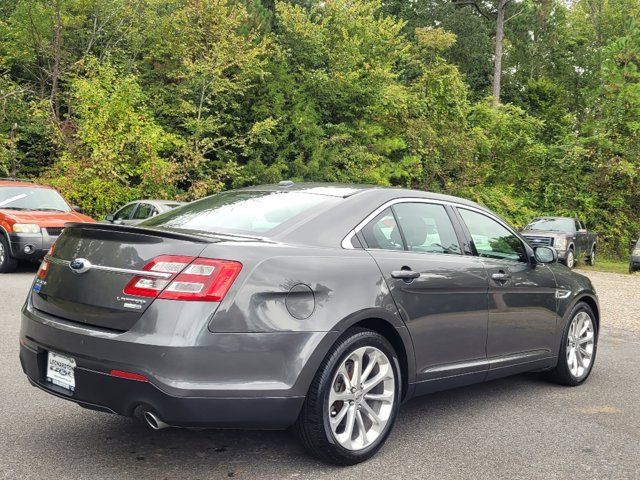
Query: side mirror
[(76, 208), (109, 218), (582, 230), (546, 255)]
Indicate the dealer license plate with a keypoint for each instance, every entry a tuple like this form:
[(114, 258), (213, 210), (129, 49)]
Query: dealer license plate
[(60, 371)]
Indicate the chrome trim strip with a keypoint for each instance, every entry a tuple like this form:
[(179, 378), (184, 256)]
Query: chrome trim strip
[(346, 242), (118, 271)]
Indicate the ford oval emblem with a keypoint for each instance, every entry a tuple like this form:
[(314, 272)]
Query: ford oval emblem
[(80, 265)]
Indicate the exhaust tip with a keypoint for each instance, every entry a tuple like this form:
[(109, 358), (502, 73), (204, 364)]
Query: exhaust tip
[(153, 421)]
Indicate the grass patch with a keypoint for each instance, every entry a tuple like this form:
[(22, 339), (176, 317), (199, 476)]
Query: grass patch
[(614, 265)]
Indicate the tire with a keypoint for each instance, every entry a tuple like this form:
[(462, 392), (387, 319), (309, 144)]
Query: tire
[(331, 442), (592, 258), (570, 260), (564, 373), (7, 262)]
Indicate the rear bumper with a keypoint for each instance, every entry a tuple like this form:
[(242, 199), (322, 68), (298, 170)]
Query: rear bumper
[(30, 246), (100, 391), (225, 380)]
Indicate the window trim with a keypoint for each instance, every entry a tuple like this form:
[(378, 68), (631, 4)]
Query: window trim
[(501, 223), (135, 207), (455, 222)]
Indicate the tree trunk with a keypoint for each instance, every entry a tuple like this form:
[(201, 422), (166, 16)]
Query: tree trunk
[(57, 57), (497, 66)]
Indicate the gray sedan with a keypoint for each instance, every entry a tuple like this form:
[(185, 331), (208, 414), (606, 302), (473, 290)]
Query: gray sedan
[(321, 307), (135, 212)]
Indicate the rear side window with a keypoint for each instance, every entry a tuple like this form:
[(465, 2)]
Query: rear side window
[(427, 228), (382, 232), (490, 239), (248, 212)]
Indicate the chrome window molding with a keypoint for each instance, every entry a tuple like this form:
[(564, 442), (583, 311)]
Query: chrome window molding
[(346, 242)]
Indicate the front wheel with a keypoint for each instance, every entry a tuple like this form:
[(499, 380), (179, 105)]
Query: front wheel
[(353, 401), (7, 262), (578, 347), (592, 257), (570, 260)]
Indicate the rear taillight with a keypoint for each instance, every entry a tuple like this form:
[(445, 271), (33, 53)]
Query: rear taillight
[(44, 266), (188, 278)]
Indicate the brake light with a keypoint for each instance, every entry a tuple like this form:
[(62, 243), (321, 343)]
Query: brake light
[(44, 266), (188, 278)]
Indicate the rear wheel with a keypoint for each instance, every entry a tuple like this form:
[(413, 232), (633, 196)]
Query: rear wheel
[(578, 348), (7, 262), (353, 401)]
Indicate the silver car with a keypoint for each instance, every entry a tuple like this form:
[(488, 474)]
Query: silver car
[(135, 212)]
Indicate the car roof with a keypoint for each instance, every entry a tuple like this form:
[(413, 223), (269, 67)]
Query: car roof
[(346, 190)]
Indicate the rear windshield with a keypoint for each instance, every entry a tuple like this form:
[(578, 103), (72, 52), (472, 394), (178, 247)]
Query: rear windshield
[(32, 198), (242, 212), (551, 224)]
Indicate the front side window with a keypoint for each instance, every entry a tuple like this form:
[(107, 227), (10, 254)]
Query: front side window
[(125, 212), (382, 232), (490, 239), (427, 228), (144, 211)]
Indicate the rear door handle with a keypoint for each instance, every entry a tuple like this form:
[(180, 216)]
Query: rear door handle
[(405, 274), (501, 276)]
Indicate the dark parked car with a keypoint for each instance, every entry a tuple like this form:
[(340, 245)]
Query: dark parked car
[(318, 306), (634, 262), (567, 235), (135, 212)]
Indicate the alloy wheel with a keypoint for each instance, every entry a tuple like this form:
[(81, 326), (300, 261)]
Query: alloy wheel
[(361, 398), (580, 344), (2, 254), (570, 259)]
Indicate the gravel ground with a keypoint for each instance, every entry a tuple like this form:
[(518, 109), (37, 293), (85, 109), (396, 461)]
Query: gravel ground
[(619, 297), (515, 428)]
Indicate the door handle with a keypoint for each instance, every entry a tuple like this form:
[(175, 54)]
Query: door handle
[(405, 274), (501, 276)]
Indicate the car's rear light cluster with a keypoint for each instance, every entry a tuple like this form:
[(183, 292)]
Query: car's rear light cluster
[(187, 278), (44, 266)]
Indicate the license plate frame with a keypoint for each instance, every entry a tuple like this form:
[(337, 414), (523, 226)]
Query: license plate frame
[(60, 371)]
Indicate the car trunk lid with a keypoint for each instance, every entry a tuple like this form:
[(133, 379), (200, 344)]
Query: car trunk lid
[(95, 296)]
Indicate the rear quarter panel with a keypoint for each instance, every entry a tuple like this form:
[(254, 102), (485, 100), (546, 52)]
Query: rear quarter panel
[(289, 288)]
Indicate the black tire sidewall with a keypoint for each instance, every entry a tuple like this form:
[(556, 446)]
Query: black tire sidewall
[(573, 263), (565, 375), (382, 344), (323, 445), (9, 264)]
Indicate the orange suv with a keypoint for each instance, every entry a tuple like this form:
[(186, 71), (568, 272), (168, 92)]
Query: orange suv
[(31, 218)]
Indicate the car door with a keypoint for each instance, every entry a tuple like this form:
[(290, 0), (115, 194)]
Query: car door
[(522, 296), (581, 239), (440, 291), (123, 216)]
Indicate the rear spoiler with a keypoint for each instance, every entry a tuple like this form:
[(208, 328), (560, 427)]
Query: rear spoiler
[(190, 237)]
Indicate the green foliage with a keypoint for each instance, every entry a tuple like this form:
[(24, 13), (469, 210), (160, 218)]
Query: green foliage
[(111, 100), (119, 151)]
